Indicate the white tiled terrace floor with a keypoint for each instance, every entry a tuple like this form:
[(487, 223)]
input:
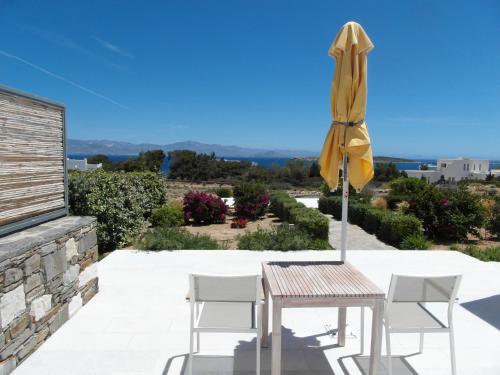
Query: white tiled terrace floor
[(138, 323)]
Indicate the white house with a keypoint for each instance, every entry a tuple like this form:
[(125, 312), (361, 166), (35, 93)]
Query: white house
[(454, 170), (81, 165)]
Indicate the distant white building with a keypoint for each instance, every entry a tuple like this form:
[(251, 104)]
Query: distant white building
[(454, 170), (81, 165)]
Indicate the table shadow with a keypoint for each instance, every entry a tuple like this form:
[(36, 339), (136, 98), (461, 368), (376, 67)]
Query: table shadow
[(486, 309), (300, 356)]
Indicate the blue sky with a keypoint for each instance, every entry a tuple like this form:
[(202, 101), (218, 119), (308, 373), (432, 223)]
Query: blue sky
[(256, 73)]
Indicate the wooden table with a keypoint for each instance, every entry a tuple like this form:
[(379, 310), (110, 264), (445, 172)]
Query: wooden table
[(319, 284)]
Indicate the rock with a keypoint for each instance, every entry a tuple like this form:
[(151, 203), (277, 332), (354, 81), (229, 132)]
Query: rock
[(86, 263), (40, 307), (89, 290), (14, 344), (75, 304), (54, 263), (12, 304), (71, 249), (88, 274), (13, 275), (19, 325), (42, 335), (88, 241), (27, 348), (2, 340), (93, 253), (8, 365), (32, 264), (71, 274), (47, 249), (37, 292), (59, 319), (32, 282)]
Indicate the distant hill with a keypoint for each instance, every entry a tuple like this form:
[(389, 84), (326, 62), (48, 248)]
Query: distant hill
[(389, 159), (92, 147)]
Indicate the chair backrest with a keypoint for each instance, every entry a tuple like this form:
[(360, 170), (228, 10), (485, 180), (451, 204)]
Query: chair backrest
[(406, 288), (222, 288)]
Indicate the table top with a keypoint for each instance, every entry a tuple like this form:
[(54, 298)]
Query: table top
[(318, 280)]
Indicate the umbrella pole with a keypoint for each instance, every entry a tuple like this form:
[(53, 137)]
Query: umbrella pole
[(345, 199)]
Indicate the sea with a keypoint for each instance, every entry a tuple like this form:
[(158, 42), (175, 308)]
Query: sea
[(268, 162)]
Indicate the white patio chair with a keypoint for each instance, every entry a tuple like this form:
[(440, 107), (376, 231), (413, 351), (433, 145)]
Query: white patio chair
[(230, 304), (405, 310)]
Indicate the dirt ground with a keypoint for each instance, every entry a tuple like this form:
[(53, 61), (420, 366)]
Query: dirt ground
[(177, 189), (227, 235)]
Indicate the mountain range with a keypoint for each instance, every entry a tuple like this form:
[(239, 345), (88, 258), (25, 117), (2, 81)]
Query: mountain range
[(92, 147)]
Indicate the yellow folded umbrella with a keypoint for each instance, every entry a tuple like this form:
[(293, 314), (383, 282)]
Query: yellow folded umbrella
[(349, 133)]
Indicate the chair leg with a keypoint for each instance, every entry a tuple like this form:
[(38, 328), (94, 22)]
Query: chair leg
[(259, 337), (362, 331), (197, 308), (388, 349), (452, 352), (421, 347), (190, 360)]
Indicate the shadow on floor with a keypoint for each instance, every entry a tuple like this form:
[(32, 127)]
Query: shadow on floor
[(486, 309), (300, 356), (400, 365)]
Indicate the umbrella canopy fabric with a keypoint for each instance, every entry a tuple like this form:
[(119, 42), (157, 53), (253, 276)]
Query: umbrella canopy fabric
[(349, 132)]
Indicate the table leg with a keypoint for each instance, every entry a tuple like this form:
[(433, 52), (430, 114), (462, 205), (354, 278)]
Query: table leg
[(341, 326), (265, 317), (376, 344), (276, 344)]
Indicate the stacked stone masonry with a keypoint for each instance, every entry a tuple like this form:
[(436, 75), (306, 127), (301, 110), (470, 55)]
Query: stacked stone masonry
[(47, 273)]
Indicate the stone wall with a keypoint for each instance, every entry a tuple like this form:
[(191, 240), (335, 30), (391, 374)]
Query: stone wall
[(46, 274)]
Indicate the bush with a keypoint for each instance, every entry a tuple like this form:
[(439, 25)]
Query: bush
[(448, 215), (162, 238), (251, 200), (281, 204), (415, 242), (204, 208), (356, 213), (167, 217), (491, 254), (379, 202), (494, 223), (394, 228), (331, 206), (121, 202), (372, 219), (223, 192), (311, 221), (280, 238)]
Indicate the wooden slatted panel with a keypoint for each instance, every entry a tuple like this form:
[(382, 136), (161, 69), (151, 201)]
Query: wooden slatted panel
[(318, 279), (31, 158)]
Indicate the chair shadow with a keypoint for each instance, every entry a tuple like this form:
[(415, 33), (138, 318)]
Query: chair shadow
[(400, 365), (300, 356), (486, 309)]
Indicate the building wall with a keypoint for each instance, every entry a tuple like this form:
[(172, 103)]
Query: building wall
[(47, 273), (454, 170), (81, 165)]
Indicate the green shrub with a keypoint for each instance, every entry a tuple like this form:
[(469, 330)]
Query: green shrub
[(372, 219), (494, 223), (251, 200), (331, 206), (306, 219), (163, 238), (311, 221), (356, 213), (448, 215), (394, 228), (167, 217), (407, 186), (121, 202), (223, 192), (491, 254), (281, 204), (280, 238), (415, 242)]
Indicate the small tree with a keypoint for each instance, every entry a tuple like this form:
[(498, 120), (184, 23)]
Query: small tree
[(494, 224)]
